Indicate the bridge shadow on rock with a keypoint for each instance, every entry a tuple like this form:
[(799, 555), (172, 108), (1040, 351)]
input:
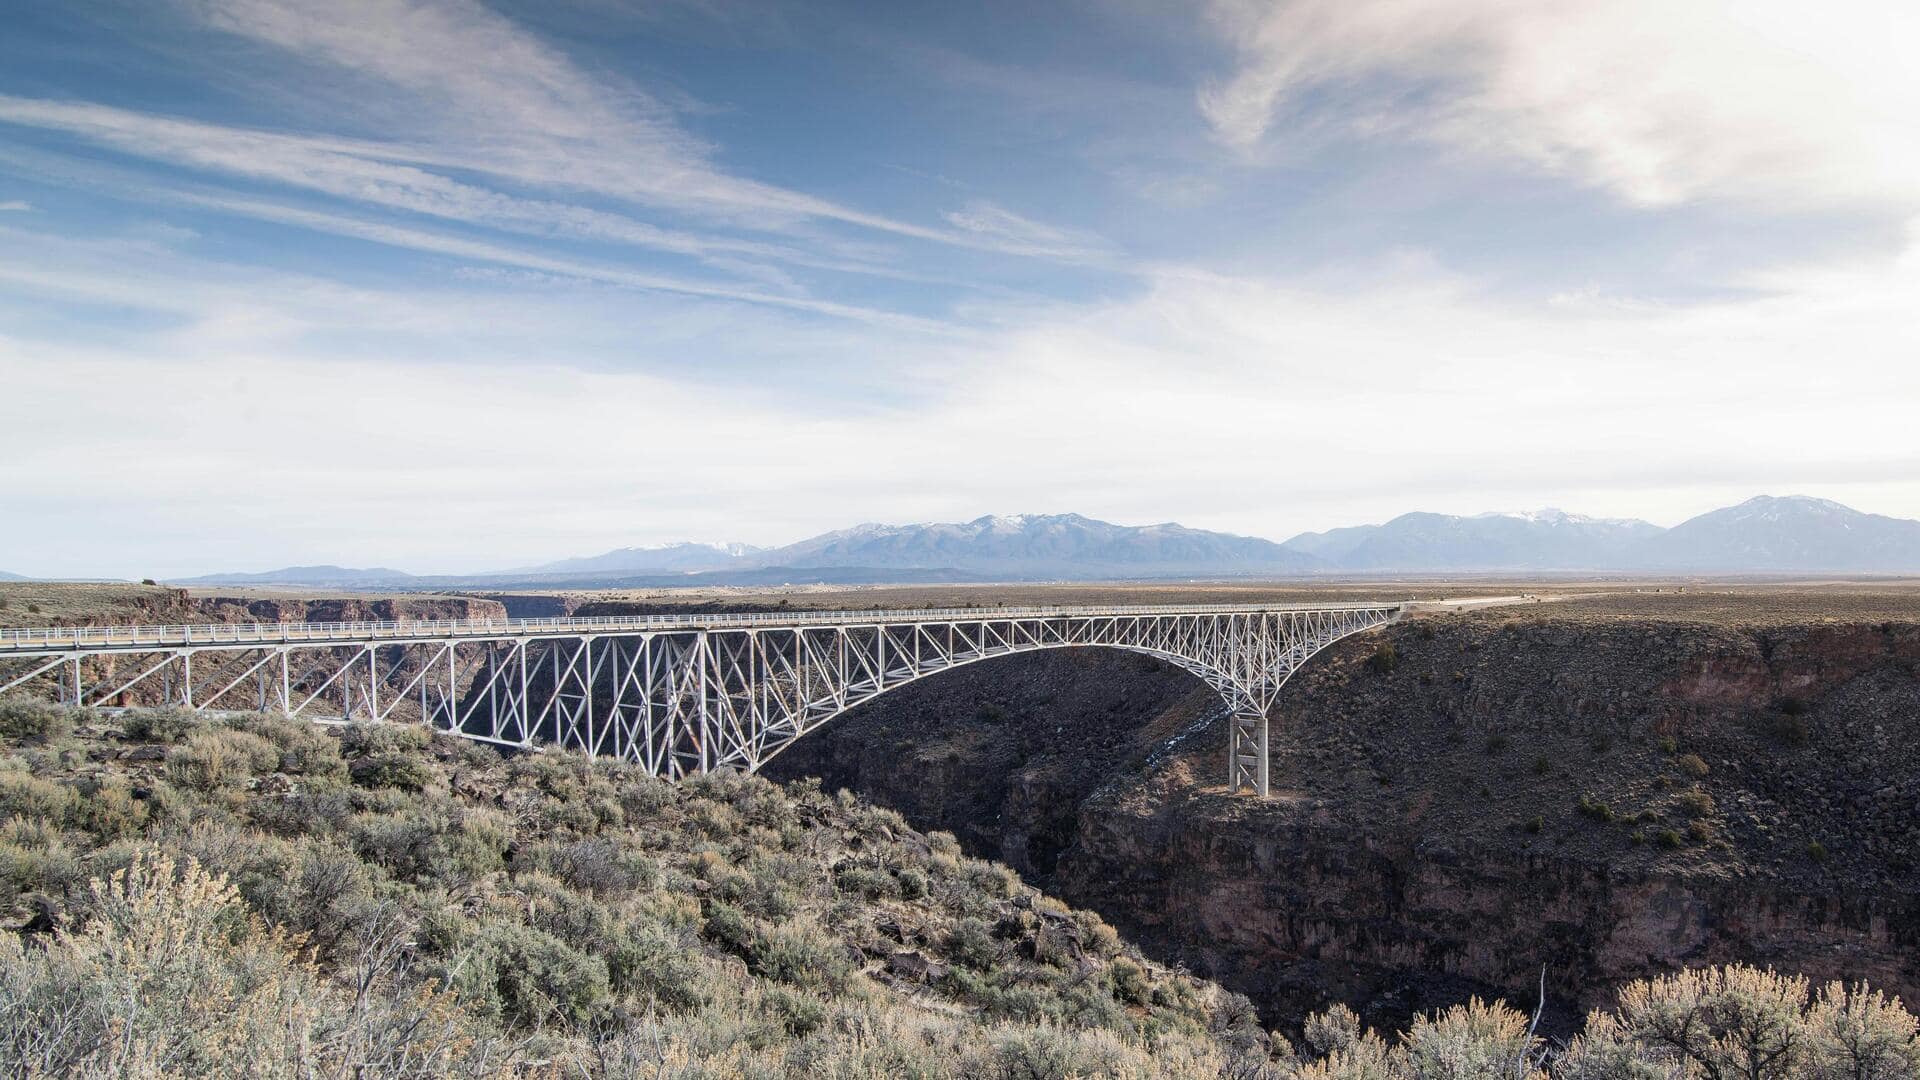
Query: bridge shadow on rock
[(1003, 753)]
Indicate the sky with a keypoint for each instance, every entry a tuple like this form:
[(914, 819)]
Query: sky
[(451, 286)]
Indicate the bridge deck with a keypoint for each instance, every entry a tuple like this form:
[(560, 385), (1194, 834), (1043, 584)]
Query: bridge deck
[(46, 640)]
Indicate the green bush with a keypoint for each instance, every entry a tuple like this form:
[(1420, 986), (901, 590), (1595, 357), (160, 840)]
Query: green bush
[(802, 953), (372, 738), (971, 942), (27, 796), (306, 749), (530, 978), (869, 882), (657, 965), (1130, 982), (1696, 803), (1384, 659), (216, 759), (160, 725), (27, 720), (107, 810), (397, 770), (1693, 765)]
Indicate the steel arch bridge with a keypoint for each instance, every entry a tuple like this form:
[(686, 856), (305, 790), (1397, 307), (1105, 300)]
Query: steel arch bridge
[(679, 694)]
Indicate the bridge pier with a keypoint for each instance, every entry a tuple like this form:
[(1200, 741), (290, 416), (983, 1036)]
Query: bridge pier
[(1247, 752)]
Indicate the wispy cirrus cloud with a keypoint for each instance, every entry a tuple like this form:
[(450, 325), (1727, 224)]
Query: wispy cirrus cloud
[(15, 205), (504, 103), (1656, 101), (366, 172), (1007, 231)]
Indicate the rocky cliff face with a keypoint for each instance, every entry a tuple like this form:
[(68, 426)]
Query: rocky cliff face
[(1598, 794), (345, 609), (61, 604)]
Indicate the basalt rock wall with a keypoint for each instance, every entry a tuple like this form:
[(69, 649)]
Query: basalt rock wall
[(1461, 802)]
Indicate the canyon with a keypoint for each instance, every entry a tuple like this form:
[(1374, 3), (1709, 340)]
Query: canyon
[(1571, 794)]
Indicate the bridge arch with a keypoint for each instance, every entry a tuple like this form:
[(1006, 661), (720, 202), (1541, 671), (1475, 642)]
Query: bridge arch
[(1219, 681)]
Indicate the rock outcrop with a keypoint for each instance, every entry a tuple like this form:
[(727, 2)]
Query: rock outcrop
[(1598, 794)]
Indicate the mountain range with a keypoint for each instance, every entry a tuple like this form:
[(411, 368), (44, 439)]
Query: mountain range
[(1794, 534)]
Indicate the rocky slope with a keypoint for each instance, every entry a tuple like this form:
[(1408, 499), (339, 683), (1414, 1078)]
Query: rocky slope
[(1605, 789), (255, 896)]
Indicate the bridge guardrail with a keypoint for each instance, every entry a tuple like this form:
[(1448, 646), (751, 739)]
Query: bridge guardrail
[(171, 636)]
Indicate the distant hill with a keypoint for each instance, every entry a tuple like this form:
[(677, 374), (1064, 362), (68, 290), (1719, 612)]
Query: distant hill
[(1795, 533), (4, 576), (1762, 535), (1547, 540), (682, 557), (1048, 546), (332, 576)]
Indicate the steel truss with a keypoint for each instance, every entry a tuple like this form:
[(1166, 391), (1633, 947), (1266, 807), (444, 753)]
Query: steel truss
[(679, 695)]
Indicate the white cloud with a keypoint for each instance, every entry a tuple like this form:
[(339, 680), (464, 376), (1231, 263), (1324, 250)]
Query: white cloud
[(15, 205), (1659, 101), (445, 429), (1009, 231), (495, 99)]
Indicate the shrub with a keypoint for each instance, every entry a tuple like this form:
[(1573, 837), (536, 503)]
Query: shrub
[(1693, 765), (216, 759), (1696, 803), (1498, 742), (26, 720), (597, 866), (730, 928), (529, 977), (1816, 851), (369, 739), (798, 1013), (913, 883), (1130, 982), (109, 811), (800, 952), (866, 881), (27, 796), (159, 725), (306, 749), (1598, 811), (657, 965), (1332, 1031), (397, 770), (1384, 659), (970, 941), (1472, 1040), (1669, 839)]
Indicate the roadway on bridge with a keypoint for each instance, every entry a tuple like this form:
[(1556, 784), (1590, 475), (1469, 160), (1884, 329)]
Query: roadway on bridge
[(125, 638)]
